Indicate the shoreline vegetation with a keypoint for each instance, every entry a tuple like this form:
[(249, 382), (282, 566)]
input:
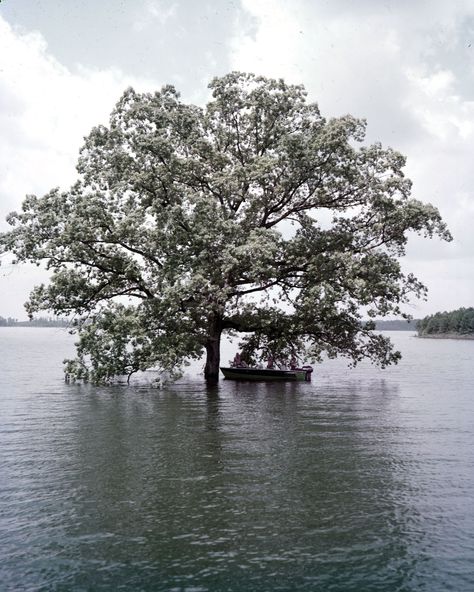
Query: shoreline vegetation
[(396, 325), (455, 324), (447, 336), (39, 322)]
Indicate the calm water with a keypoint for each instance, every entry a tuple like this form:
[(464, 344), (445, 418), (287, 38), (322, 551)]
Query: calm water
[(360, 481)]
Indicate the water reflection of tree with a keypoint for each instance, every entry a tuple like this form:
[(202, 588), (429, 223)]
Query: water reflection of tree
[(305, 481)]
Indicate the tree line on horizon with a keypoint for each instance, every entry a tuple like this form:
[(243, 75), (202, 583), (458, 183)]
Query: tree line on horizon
[(396, 324), (38, 322), (459, 321), (380, 325)]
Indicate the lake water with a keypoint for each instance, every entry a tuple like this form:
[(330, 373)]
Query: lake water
[(359, 481)]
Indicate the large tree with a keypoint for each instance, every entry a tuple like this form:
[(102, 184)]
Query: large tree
[(253, 215)]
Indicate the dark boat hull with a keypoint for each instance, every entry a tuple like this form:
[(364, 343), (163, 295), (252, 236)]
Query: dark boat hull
[(266, 374)]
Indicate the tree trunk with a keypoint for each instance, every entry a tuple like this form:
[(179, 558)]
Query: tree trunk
[(213, 351)]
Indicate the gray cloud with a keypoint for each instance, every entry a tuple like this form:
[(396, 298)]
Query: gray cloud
[(181, 42)]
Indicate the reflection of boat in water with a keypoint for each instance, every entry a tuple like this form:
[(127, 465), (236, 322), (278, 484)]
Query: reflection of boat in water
[(245, 373)]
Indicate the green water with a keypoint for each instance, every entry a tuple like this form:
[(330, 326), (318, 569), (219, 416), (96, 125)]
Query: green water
[(358, 481)]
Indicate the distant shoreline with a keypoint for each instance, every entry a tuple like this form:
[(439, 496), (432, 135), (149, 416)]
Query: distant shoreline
[(34, 326), (468, 337)]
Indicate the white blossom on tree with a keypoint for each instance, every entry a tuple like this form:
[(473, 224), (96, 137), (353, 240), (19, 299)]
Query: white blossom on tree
[(178, 230)]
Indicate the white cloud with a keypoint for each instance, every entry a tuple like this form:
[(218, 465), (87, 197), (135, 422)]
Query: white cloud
[(443, 113), (46, 112), (154, 12)]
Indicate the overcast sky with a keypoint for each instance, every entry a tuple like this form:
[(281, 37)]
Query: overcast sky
[(407, 66)]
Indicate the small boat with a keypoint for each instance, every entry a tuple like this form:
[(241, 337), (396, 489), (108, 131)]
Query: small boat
[(272, 374)]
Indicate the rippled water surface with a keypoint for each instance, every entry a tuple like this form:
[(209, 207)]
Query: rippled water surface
[(360, 481)]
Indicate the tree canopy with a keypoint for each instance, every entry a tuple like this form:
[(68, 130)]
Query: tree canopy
[(254, 214)]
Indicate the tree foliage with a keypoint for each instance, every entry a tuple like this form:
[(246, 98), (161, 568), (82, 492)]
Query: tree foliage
[(254, 214)]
